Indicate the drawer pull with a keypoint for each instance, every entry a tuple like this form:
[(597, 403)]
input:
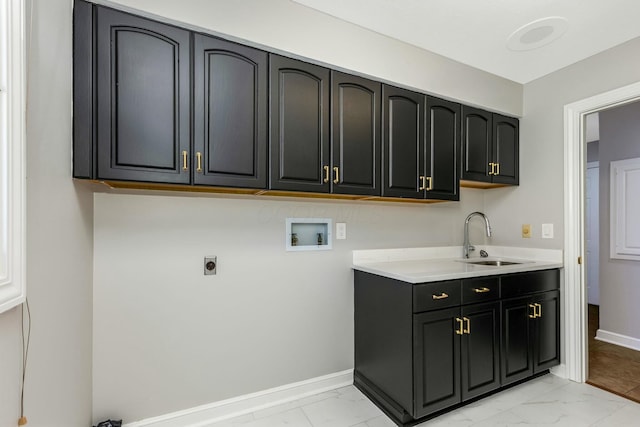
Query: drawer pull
[(481, 290), (467, 325), (534, 315), (441, 296), (460, 328), (539, 307)]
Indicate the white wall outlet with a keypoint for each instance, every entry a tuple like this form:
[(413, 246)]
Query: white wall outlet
[(547, 231), (341, 230)]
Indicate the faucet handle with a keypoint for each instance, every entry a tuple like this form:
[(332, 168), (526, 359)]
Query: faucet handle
[(471, 248)]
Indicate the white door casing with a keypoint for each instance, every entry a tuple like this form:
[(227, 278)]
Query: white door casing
[(575, 301)]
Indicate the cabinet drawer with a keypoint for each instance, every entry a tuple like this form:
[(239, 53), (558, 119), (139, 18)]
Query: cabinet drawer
[(480, 289), (432, 296), (514, 285)]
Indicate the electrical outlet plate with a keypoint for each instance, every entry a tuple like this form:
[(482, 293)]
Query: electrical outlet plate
[(547, 231), (210, 265), (341, 230), (526, 231)]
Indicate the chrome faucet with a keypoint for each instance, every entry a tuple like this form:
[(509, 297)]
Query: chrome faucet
[(467, 247)]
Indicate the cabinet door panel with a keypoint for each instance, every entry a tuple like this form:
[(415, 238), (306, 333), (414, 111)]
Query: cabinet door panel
[(505, 149), (299, 100), (547, 327), (436, 361), (356, 106), (517, 352), (443, 142), (143, 98), (403, 142), (230, 114), (476, 144), (480, 349)]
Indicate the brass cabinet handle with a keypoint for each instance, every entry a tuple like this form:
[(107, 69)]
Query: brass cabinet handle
[(441, 296), (481, 290), (199, 161), (423, 184), (539, 313), (460, 328), (184, 160), (430, 186), (497, 172), (534, 315), (337, 172), (491, 166), (326, 173), (467, 325)]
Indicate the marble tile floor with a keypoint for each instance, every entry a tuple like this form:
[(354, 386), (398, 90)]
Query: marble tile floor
[(544, 401)]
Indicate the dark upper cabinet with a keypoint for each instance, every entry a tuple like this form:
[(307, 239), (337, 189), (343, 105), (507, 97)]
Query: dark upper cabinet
[(490, 147), (506, 145), (299, 117), (421, 137), (403, 142), (143, 99), (230, 114), (441, 154), (355, 136)]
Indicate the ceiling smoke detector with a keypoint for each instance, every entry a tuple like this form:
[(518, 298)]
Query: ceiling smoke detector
[(537, 33)]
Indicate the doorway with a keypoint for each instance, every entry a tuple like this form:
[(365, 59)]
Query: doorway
[(575, 301)]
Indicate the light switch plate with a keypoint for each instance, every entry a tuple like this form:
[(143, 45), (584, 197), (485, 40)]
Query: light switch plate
[(341, 230), (547, 231)]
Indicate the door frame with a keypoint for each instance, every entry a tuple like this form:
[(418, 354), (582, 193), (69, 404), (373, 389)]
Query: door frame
[(575, 292)]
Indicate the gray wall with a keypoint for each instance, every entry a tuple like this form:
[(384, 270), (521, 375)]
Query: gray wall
[(619, 290), (269, 317), (539, 198), (59, 245)]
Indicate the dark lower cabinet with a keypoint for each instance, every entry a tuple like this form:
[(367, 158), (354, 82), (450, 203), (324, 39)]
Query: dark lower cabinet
[(422, 349), (142, 85), (230, 114), (299, 117), (436, 361), (531, 340), (480, 358)]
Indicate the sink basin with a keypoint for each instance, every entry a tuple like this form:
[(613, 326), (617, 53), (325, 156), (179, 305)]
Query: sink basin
[(496, 263)]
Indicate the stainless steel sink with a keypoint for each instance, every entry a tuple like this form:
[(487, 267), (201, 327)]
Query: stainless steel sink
[(496, 263)]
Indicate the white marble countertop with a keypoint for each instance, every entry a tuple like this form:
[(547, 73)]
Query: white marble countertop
[(420, 265)]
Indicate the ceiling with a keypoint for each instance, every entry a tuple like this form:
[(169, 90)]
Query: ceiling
[(476, 32)]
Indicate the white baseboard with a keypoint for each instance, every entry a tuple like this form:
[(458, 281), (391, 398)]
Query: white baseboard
[(559, 371), (618, 339), (200, 416)]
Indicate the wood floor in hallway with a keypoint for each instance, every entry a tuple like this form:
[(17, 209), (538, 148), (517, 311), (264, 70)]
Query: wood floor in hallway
[(611, 367)]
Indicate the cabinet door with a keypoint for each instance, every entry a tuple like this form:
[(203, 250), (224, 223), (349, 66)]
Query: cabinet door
[(299, 145), (443, 142), (143, 93), (480, 349), (506, 144), (547, 332), (436, 360), (355, 104), (230, 114), (476, 144), (516, 347), (403, 142)]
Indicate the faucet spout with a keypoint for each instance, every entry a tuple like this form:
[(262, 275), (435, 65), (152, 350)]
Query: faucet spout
[(467, 247)]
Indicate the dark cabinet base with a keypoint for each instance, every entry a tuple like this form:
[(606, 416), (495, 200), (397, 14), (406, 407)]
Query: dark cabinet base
[(401, 417)]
